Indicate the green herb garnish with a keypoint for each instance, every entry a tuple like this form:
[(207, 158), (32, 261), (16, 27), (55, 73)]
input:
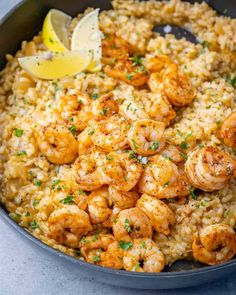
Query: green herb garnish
[(125, 245), (191, 191), (34, 225), (95, 96), (155, 145), (68, 200), (127, 225), (73, 129), (55, 183), (18, 132), (37, 182)]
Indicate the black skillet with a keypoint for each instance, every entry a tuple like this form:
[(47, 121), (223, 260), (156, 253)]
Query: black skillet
[(22, 23)]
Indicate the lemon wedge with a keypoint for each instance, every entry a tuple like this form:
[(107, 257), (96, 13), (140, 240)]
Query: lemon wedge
[(87, 36), (55, 31), (55, 66)]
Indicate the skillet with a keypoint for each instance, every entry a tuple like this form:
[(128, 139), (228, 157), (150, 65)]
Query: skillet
[(22, 23)]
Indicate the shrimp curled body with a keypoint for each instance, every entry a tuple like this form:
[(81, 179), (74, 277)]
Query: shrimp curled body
[(214, 244), (162, 179), (159, 213), (57, 144), (68, 224), (121, 171), (132, 223), (209, 168), (146, 251), (228, 130), (146, 137)]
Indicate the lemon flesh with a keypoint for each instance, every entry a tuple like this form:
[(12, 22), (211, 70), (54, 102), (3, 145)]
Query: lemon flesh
[(55, 31), (87, 36), (56, 66)]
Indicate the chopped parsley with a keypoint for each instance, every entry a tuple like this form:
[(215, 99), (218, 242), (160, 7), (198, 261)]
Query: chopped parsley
[(37, 182), (232, 81), (129, 76), (21, 153), (84, 241), (136, 60), (128, 106), (143, 244), (34, 225), (73, 130), (68, 200), (95, 237), (205, 44), (16, 217), (18, 132), (201, 145), (183, 145), (132, 154), (191, 191), (155, 145), (35, 203), (104, 111), (96, 258), (55, 183), (127, 225), (227, 212), (95, 96), (125, 245), (182, 155), (81, 192), (91, 132)]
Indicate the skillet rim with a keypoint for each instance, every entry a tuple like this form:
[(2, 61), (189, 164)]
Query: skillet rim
[(123, 273)]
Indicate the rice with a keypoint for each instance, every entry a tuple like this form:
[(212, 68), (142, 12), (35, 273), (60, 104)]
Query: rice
[(25, 102)]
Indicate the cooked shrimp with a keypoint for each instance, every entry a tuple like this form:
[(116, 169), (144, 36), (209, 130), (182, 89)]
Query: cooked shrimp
[(98, 206), (73, 110), (111, 134), (214, 244), (228, 130), (209, 168), (97, 241), (103, 250), (121, 171), (133, 110), (113, 257), (157, 63), (144, 252), (158, 108), (173, 153), (66, 193), (146, 137), (122, 200), (105, 106), (68, 224), (87, 171), (155, 82), (126, 71), (161, 215), (132, 223), (85, 140), (115, 48), (177, 87), (57, 144), (162, 179)]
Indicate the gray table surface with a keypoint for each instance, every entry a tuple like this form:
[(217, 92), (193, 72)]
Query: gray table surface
[(24, 270)]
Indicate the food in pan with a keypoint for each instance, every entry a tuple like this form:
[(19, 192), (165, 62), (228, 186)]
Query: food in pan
[(117, 143)]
